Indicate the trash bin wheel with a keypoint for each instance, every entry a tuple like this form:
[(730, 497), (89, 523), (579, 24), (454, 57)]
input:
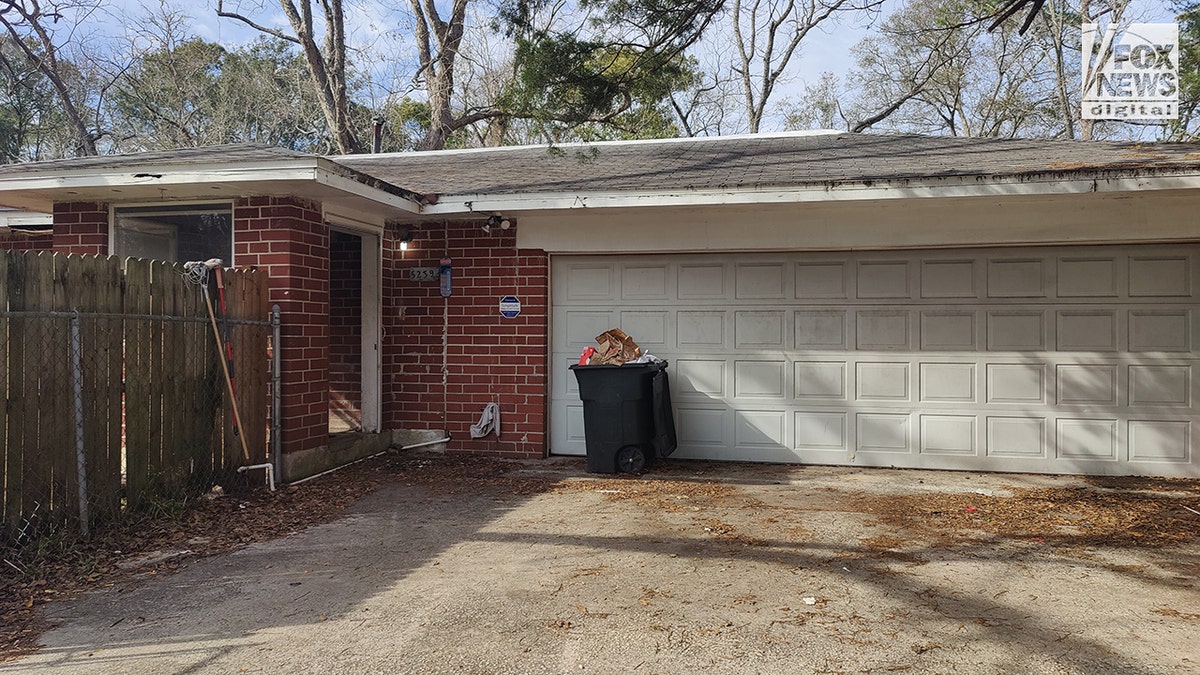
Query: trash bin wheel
[(631, 459)]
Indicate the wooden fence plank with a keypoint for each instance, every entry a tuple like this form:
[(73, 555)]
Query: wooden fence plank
[(38, 491), (137, 380), (254, 362), (174, 466), (17, 404), (155, 376), (203, 396), (153, 389), (111, 385), (57, 437), (8, 479)]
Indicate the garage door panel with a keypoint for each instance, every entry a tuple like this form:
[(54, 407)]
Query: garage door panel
[(761, 281), (1016, 383), (883, 433), (700, 329), (947, 382), (759, 429), (591, 281), (703, 432), (822, 329), (1161, 276), (1087, 277), (1025, 278), (651, 328), (1166, 330), (760, 379), (1087, 439), (882, 381), (884, 279), (580, 328), (1161, 441), (1021, 437), (821, 430), (883, 329), (949, 331), (824, 280), (1016, 331), (1067, 359), (698, 378), (759, 329), (703, 281), (942, 279), (821, 380), (1087, 330), (646, 282), (1163, 386), (1082, 384), (948, 435)]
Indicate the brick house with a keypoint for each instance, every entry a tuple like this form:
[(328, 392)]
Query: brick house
[(822, 297)]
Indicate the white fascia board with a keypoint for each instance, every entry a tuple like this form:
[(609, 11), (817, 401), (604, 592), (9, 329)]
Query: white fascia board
[(348, 185), (482, 204), (127, 177), (20, 219), (281, 172)]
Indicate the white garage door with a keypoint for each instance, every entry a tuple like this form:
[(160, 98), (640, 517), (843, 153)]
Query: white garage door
[(1061, 360)]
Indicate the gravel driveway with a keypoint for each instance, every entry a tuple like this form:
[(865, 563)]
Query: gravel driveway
[(537, 567)]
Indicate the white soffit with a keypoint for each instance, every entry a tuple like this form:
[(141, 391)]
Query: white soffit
[(919, 188), (38, 191)]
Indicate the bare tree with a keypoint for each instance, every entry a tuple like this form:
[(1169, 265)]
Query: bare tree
[(1114, 10), (895, 67), (438, 43), (768, 33), (33, 28), (819, 107), (326, 60)]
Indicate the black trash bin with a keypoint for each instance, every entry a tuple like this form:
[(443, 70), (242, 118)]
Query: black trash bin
[(627, 420)]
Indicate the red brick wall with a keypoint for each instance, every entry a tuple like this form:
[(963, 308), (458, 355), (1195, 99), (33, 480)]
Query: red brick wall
[(81, 227), (489, 358), (11, 240), (288, 237), (345, 332)]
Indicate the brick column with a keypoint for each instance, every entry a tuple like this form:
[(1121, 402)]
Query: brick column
[(288, 238), (81, 227), (490, 359)]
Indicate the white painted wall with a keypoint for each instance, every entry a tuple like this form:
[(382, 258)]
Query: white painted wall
[(1153, 216)]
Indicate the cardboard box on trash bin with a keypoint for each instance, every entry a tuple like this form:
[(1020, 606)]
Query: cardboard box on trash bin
[(614, 348)]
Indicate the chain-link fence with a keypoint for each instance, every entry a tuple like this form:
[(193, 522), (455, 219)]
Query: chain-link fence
[(112, 412)]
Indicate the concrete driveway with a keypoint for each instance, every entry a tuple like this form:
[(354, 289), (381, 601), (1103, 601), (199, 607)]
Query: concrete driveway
[(694, 567)]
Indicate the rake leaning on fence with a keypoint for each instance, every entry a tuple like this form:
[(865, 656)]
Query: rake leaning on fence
[(114, 390)]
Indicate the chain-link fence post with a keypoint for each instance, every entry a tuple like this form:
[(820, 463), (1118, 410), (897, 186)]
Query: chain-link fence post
[(80, 451), (276, 389)]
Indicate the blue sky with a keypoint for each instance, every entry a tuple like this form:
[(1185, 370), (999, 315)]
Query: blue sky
[(825, 49)]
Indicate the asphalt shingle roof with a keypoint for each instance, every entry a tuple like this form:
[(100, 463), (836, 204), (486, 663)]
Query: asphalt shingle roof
[(732, 162), (217, 154), (758, 161)]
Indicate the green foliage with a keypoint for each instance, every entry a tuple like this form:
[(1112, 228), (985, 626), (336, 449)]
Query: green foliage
[(1187, 127), (610, 77), (32, 124), (197, 93)]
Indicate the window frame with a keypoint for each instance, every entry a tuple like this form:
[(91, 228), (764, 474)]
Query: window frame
[(213, 205)]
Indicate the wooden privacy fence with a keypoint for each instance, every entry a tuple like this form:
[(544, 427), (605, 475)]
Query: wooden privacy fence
[(114, 395)]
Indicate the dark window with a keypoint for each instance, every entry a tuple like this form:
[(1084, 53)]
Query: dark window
[(174, 233)]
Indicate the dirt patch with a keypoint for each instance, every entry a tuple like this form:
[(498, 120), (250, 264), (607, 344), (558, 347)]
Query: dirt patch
[(60, 568), (1073, 516), (487, 565)]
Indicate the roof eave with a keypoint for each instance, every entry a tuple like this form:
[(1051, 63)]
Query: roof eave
[(857, 190), (40, 191)]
